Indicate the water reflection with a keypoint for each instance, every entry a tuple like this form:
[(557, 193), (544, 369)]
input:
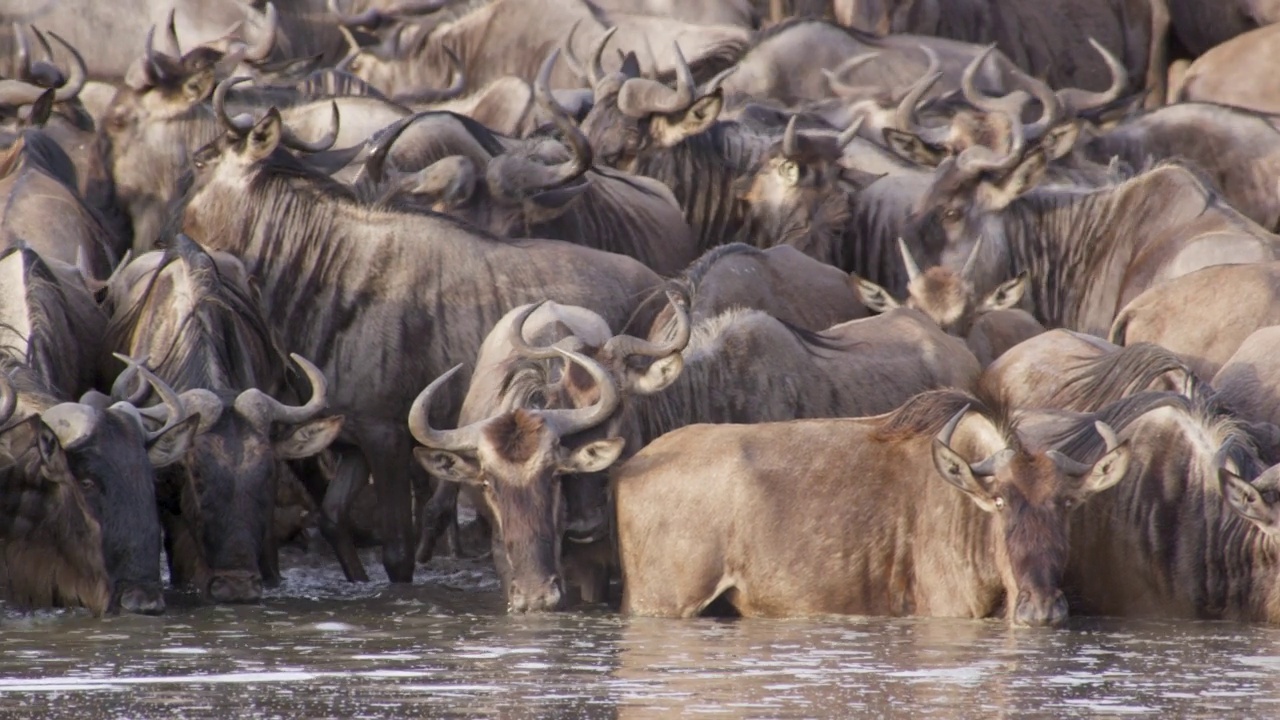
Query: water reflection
[(321, 648)]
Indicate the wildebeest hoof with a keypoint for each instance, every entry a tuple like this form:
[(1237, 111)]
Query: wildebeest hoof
[(234, 589), (142, 600)]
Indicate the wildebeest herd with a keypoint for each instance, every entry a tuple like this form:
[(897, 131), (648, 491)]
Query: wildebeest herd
[(735, 306)]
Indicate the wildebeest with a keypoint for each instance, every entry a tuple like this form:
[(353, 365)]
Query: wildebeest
[(50, 543), (536, 192), (379, 300), (43, 208), (1087, 253), (1222, 75), (1185, 535), (1203, 316), (1199, 26), (1249, 381), (990, 325), (1067, 370), (733, 184), (854, 516), (711, 373), (1045, 40), (198, 321), (515, 459), (782, 281), (1237, 149)]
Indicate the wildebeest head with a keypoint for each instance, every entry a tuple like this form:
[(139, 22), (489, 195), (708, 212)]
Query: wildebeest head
[(406, 63), (948, 297), (42, 87), (146, 138), (519, 189), (633, 114), (1031, 496), (52, 544), (200, 323), (113, 457), (1257, 501), (516, 459), (801, 192)]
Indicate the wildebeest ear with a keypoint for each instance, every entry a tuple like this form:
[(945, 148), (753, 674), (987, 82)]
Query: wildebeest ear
[(872, 296), (955, 470), (42, 108), (995, 195), (1007, 295), (657, 377), (911, 148), (264, 137), (670, 129), (855, 180), (1107, 471), (630, 65), (594, 456), (445, 465), (309, 438), (51, 454), (172, 446), (198, 86), (1247, 502), (1060, 140)]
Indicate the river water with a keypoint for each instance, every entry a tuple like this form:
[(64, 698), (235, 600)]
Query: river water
[(319, 647)]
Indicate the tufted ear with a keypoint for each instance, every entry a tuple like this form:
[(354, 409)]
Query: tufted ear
[(448, 466), (1106, 472), (958, 473), (995, 195), (1250, 503), (1060, 140), (911, 148), (309, 438), (594, 456), (671, 128), (875, 298), (264, 137), (1007, 295)]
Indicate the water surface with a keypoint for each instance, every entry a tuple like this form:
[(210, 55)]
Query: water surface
[(319, 647)]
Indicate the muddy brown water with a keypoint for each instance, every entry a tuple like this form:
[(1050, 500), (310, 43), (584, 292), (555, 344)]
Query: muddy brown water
[(318, 647)]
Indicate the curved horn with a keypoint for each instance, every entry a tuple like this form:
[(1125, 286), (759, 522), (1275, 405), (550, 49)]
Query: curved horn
[(847, 135), (44, 73), (461, 440), (516, 337), (255, 403), (621, 346), (569, 421), (971, 262), (988, 466), (595, 68), (979, 158), (1007, 104), (22, 51), (456, 88), (236, 124), (76, 78), (16, 92), (172, 402), (120, 388), (375, 162), (290, 139), (640, 97), (904, 115), (714, 83), (843, 89), (172, 46), (1068, 465), (789, 140), (944, 435), (913, 270), (1078, 101), (258, 51)]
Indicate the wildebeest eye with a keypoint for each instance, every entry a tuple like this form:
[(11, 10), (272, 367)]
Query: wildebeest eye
[(951, 214)]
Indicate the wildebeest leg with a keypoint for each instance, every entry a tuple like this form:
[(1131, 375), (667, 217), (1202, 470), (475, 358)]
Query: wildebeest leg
[(335, 524), (439, 514), (269, 562), (389, 452)]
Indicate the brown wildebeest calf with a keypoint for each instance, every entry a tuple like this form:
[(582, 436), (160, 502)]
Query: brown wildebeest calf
[(853, 516)]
